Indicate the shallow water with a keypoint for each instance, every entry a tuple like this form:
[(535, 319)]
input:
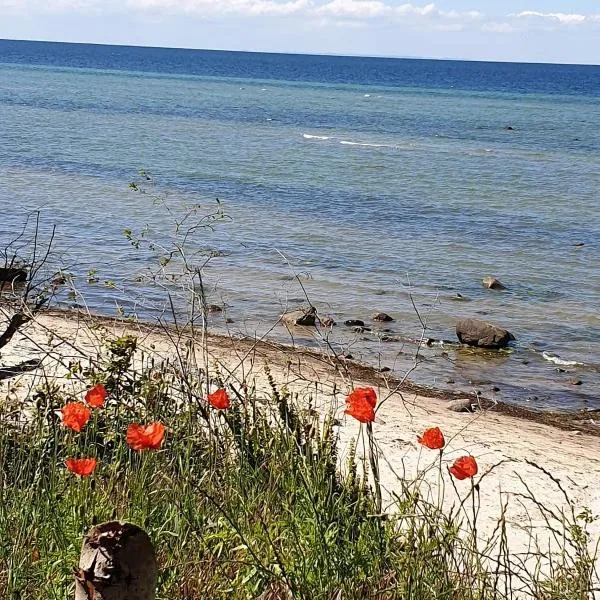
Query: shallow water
[(375, 179)]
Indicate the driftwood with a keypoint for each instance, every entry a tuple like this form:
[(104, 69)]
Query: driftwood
[(16, 321), (117, 562), (24, 367)]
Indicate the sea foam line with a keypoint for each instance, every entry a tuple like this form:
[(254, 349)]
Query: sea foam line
[(348, 143), (557, 360), (308, 136)]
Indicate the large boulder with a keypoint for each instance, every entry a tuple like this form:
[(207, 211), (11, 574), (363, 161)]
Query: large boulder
[(474, 332), (306, 317)]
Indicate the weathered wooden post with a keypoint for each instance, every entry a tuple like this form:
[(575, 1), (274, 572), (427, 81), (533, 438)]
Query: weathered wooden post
[(117, 562)]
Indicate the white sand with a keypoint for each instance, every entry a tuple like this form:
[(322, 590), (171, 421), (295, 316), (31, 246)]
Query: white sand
[(501, 443)]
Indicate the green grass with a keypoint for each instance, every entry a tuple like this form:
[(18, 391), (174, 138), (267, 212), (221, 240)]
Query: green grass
[(250, 502)]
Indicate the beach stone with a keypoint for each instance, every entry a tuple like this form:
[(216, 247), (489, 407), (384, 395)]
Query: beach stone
[(327, 321), (382, 317), (384, 370), (13, 275), (491, 283), (306, 317), (460, 405), (361, 329), (481, 334), (354, 323), (389, 338)]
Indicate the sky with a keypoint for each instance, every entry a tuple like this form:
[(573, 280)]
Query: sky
[(564, 31)]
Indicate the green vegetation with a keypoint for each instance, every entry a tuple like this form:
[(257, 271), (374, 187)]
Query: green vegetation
[(246, 502)]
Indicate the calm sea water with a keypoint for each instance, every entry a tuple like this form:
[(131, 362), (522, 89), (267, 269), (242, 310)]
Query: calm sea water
[(376, 179)]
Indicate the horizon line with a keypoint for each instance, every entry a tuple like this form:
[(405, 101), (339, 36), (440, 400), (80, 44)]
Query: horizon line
[(320, 54)]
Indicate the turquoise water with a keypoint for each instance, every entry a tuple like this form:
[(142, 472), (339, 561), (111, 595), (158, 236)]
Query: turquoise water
[(376, 179)]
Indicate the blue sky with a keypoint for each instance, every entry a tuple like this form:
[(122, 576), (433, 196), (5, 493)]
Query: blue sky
[(522, 30)]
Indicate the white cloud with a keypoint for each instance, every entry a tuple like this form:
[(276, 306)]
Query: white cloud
[(406, 13), (345, 13), (557, 18), (360, 9), (252, 8), (344, 10)]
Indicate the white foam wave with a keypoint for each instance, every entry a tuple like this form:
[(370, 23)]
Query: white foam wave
[(347, 143), (307, 136), (557, 360)]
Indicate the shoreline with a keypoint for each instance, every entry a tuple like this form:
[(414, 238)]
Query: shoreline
[(576, 421)]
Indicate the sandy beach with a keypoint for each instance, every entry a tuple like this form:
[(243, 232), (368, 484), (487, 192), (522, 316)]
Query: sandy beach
[(517, 456)]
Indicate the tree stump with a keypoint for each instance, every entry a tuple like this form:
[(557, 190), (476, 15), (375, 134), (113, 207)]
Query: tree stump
[(117, 562)]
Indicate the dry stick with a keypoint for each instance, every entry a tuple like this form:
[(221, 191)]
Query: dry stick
[(16, 321), (117, 562)]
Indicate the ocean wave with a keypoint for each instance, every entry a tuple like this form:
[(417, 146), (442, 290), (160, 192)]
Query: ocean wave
[(348, 143), (307, 136), (557, 360)]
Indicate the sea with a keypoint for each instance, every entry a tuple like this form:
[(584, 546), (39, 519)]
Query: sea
[(358, 185)]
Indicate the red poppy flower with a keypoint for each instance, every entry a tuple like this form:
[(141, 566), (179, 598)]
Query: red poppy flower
[(463, 467), (219, 399), (83, 467), (432, 438), (360, 404), (75, 415), (96, 396), (145, 437)]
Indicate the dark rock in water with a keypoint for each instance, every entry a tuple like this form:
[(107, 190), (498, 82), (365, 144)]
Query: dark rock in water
[(491, 283), (59, 280), (13, 275), (360, 329), (461, 405), (450, 381), (229, 321), (354, 323), (575, 381), (459, 298), (214, 308), (384, 370), (306, 317), (495, 388), (474, 332), (509, 128), (327, 321), (382, 317), (389, 338), (578, 244), (348, 356)]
